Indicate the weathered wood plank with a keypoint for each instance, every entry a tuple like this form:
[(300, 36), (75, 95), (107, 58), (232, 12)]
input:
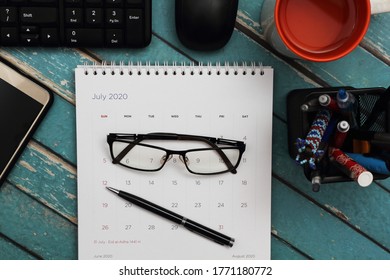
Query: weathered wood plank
[(316, 232), (35, 226), (47, 178), (359, 69), (9, 251), (54, 67), (377, 39), (249, 14), (282, 251)]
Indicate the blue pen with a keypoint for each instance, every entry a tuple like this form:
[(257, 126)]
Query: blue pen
[(346, 102), (371, 163)]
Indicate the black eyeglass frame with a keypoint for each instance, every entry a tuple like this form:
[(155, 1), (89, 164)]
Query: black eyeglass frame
[(135, 139)]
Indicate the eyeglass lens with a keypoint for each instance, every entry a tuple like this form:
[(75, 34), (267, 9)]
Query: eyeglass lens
[(204, 161)]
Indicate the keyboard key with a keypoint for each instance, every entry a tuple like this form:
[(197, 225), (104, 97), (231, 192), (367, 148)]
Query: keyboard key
[(114, 17), (134, 27), (49, 36), (38, 15), (29, 39), (74, 16), (114, 38), (94, 16), (9, 36), (8, 15), (84, 37), (29, 29)]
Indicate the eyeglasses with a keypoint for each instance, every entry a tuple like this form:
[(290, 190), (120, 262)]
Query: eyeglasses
[(135, 151)]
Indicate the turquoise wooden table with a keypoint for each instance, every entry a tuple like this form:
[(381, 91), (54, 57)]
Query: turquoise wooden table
[(38, 202)]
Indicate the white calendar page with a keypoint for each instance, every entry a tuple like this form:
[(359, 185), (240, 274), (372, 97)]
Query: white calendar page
[(237, 107)]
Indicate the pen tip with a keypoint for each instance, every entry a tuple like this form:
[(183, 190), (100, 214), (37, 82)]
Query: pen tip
[(112, 189)]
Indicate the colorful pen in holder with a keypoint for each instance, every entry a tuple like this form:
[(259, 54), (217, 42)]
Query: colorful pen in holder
[(326, 101), (350, 167), (373, 164), (341, 134), (308, 148)]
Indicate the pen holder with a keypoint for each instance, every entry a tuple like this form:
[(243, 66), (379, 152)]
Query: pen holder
[(371, 115)]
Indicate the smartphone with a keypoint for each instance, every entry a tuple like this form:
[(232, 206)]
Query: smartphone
[(23, 104)]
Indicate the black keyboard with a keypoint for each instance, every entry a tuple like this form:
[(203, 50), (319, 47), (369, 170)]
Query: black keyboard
[(76, 23)]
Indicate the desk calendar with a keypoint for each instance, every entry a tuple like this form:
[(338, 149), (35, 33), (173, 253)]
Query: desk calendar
[(231, 102)]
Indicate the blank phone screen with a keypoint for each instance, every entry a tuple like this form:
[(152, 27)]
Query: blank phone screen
[(17, 113)]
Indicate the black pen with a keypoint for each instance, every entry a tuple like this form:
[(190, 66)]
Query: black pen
[(176, 218)]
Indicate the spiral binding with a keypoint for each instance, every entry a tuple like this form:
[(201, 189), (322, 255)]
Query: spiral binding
[(146, 68)]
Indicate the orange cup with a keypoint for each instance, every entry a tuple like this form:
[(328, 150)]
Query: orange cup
[(322, 30)]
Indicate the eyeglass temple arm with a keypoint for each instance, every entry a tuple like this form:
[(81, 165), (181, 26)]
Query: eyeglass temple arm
[(124, 152), (137, 139)]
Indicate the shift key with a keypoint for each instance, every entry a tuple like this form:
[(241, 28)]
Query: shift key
[(39, 15)]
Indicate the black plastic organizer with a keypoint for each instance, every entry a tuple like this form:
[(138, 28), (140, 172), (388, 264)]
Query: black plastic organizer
[(373, 114)]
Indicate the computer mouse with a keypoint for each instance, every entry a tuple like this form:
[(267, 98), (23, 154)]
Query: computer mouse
[(205, 24)]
